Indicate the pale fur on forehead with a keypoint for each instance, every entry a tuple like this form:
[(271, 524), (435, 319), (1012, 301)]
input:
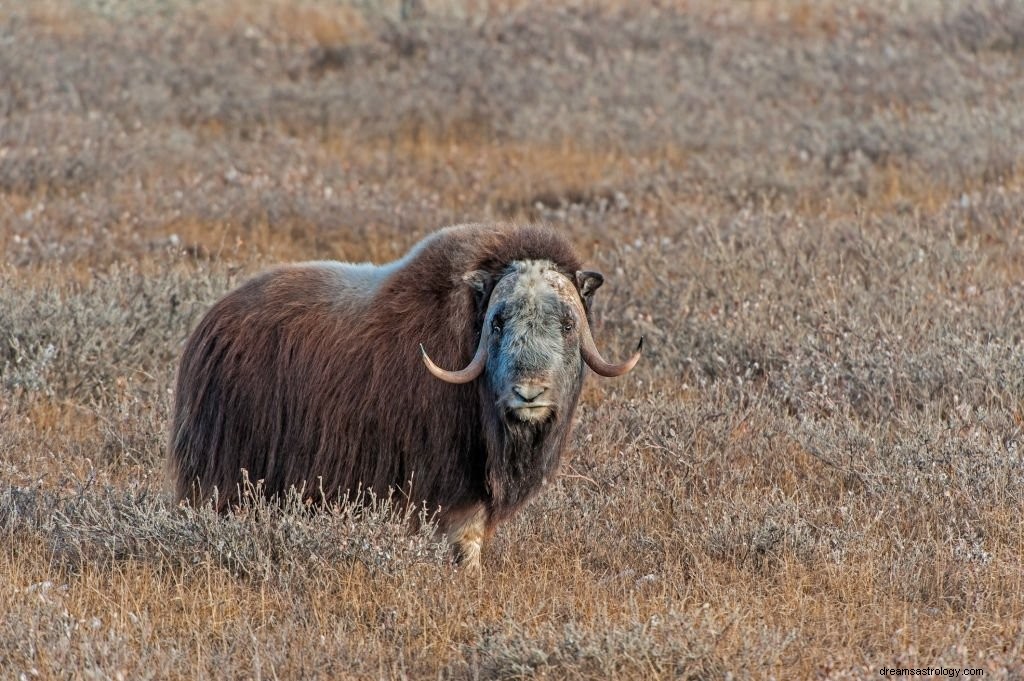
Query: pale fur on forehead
[(531, 277)]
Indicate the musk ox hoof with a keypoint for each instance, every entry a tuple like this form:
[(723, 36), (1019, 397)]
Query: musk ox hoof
[(467, 537), (471, 566)]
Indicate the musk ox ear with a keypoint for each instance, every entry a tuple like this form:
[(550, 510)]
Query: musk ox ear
[(588, 282), (482, 283)]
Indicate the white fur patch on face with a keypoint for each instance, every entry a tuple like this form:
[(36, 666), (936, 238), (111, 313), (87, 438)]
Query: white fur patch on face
[(532, 278)]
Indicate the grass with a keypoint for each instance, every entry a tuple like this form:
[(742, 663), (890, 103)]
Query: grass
[(812, 211)]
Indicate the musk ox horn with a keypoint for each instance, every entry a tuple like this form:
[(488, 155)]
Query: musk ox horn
[(593, 358), (479, 361), (600, 366), (472, 370)]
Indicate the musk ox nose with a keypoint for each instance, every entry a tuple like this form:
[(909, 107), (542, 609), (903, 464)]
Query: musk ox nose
[(528, 392)]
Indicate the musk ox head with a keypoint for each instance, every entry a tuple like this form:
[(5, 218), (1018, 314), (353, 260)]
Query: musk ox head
[(534, 340)]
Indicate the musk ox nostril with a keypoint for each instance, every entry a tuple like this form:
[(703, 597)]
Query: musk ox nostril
[(529, 391)]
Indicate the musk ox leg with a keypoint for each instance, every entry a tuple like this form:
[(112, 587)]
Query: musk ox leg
[(467, 533)]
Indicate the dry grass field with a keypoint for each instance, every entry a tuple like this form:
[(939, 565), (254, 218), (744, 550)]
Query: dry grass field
[(813, 212)]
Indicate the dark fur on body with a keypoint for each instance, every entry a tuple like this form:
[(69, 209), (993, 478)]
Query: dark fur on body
[(302, 381)]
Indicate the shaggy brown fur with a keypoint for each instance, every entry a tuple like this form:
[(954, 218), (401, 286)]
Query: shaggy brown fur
[(303, 376)]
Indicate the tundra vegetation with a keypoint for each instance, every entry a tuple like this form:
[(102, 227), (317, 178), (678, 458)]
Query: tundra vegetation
[(812, 212)]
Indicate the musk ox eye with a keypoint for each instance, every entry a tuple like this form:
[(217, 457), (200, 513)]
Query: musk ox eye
[(568, 325), (496, 326)]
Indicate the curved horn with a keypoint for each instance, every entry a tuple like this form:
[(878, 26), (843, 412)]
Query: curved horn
[(479, 361), (594, 359), (472, 370)]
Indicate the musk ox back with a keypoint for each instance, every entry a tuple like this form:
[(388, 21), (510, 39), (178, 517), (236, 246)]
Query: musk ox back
[(317, 376)]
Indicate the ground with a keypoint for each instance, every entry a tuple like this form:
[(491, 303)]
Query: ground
[(812, 211)]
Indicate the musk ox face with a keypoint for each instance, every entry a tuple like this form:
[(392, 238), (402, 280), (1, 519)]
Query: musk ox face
[(534, 338), (534, 368)]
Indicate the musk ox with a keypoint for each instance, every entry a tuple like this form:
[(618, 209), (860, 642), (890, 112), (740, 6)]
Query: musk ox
[(317, 375)]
